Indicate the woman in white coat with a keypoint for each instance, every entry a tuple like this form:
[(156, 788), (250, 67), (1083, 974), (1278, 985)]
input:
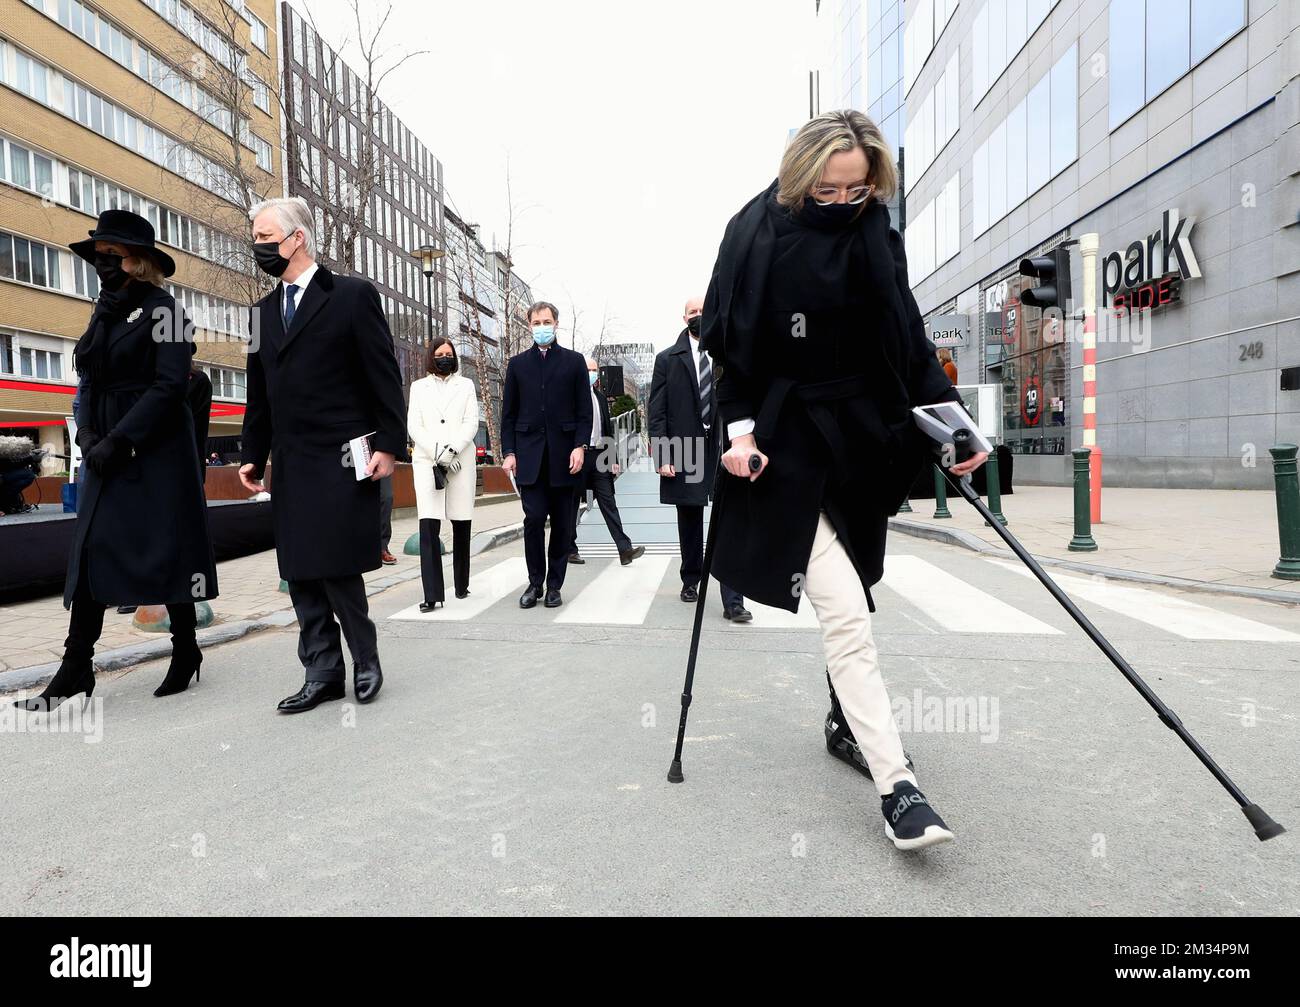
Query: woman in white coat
[(442, 421)]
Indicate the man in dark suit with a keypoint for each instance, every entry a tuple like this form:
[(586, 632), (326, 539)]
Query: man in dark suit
[(684, 438), (321, 371), (545, 422), (598, 471)]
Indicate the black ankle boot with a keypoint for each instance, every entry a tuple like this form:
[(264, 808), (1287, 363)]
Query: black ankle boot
[(185, 663), (73, 677)]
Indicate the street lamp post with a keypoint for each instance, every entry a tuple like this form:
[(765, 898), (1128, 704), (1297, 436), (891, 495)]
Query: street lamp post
[(426, 255)]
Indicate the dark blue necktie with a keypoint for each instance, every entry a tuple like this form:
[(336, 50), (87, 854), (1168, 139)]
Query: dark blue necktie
[(290, 306)]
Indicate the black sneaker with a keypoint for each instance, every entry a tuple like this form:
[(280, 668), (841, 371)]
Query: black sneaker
[(910, 822)]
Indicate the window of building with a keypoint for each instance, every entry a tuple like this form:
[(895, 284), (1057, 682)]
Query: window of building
[(1006, 170), (31, 356), (1000, 30), (1154, 43), (935, 123)]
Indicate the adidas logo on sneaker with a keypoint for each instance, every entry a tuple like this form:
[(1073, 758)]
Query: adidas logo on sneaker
[(910, 822)]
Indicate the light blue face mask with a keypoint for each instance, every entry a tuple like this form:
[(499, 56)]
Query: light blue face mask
[(544, 335), (591, 379)]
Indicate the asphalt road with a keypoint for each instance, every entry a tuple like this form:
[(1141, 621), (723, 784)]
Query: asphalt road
[(516, 764)]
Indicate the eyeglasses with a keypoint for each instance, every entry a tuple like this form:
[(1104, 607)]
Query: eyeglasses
[(825, 195)]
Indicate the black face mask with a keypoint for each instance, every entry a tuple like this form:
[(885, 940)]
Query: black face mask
[(834, 216), (108, 267), (444, 365), (693, 326), (269, 258)]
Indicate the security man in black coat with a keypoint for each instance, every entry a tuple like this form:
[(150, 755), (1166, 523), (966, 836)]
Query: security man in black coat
[(684, 440), (545, 422), (321, 371), (598, 471)]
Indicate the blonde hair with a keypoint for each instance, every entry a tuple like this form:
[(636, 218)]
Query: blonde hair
[(945, 355), (146, 268), (805, 157)]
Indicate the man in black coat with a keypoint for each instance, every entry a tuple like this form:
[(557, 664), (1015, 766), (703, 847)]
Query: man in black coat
[(684, 438), (598, 471), (321, 371), (545, 422)]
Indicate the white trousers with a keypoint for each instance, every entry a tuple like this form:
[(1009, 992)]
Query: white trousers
[(838, 598)]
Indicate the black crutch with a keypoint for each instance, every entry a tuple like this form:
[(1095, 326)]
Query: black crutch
[(1264, 826), (719, 481)]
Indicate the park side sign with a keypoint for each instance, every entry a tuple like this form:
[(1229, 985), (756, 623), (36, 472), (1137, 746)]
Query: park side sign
[(1150, 271)]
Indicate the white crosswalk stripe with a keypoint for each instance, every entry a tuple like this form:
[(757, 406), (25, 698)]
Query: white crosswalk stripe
[(1175, 615), (619, 595), (952, 603), (487, 587)]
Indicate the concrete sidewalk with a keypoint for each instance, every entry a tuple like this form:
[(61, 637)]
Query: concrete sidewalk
[(32, 633), (1209, 540)]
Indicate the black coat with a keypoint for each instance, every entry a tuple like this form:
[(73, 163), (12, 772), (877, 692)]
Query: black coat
[(545, 409), (332, 377), (144, 526), (676, 426), (833, 416)]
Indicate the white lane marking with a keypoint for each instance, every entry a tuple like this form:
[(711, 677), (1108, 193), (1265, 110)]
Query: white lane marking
[(486, 587), (1177, 615), (952, 603), (620, 595)]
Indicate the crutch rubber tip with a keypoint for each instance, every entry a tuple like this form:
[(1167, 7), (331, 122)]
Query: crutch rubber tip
[(675, 772), (1265, 827)]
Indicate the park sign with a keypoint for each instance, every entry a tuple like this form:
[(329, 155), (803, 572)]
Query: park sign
[(1150, 271), (950, 330)]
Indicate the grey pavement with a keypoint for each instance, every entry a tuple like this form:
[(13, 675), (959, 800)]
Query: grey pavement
[(515, 763)]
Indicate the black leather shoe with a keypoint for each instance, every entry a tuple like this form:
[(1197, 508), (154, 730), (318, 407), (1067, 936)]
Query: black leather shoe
[(429, 606), (463, 594), (627, 557), (738, 613), (367, 680), (575, 558), (689, 594), (530, 597), (553, 599), (310, 696)]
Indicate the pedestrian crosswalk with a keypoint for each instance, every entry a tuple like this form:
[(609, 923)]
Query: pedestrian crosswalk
[(985, 597), (1188, 619)]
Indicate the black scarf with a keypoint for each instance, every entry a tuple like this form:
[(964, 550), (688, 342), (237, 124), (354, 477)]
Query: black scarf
[(112, 306), (830, 257)]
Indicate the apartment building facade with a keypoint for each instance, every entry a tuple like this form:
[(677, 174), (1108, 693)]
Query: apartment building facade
[(162, 107), (375, 189)]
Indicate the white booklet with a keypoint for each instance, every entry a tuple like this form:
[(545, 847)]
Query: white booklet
[(940, 420), (360, 450)]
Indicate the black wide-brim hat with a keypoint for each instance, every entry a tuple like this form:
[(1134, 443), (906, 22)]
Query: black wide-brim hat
[(125, 228)]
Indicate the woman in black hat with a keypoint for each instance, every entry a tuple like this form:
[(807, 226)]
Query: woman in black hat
[(823, 355), (142, 533)]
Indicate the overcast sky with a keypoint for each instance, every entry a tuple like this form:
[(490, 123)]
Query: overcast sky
[(633, 132)]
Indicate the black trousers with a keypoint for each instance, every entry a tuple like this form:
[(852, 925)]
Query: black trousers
[(86, 623), (690, 538), (541, 500), (317, 603), (601, 484), (385, 512), (431, 561)]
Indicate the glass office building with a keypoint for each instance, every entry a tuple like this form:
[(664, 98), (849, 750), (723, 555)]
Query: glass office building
[(1166, 127)]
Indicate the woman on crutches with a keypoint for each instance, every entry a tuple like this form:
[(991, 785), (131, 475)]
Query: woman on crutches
[(822, 354)]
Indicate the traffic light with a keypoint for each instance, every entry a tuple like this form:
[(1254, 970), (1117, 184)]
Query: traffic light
[(1053, 274)]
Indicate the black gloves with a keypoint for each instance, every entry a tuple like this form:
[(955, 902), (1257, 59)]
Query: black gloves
[(108, 455), (86, 440)]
